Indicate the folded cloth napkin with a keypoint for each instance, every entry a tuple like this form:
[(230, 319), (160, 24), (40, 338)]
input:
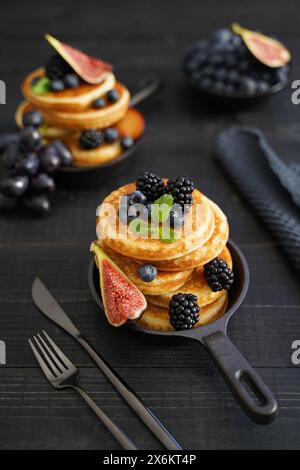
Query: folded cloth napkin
[(271, 186)]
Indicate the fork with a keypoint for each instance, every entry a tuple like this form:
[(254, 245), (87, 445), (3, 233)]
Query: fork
[(61, 373)]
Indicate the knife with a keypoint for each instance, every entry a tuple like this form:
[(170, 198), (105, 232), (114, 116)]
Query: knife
[(47, 304)]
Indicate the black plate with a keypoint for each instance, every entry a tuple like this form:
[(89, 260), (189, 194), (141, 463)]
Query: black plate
[(248, 388), (93, 177)]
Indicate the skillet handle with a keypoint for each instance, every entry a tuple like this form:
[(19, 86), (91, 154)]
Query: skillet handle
[(260, 405), (150, 86)]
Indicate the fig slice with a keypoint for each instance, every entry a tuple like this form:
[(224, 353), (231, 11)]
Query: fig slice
[(90, 69), (122, 300), (268, 51)]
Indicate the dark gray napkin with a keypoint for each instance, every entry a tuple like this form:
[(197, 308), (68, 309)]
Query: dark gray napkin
[(271, 186)]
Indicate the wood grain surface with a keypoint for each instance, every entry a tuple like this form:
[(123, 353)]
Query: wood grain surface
[(175, 378)]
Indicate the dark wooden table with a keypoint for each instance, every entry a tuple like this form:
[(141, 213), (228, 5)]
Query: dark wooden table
[(177, 380)]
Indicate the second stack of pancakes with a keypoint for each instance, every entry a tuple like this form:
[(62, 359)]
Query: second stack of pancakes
[(179, 264)]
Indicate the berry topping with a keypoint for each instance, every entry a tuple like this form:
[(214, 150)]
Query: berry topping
[(218, 275), (176, 217), (113, 95), (38, 204), (150, 185), (111, 135), (14, 186), (127, 142), (99, 103), (42, 183), (91, 139), (57, 85), (148, 272), (57, 68), (137, 197), (30, 139), (71, 80), (183, 311), (181, 189), (33, 118), (49, 159)]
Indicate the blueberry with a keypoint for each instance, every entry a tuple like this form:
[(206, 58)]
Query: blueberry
[(233, 76), (176, 217), (222, 35), (200, 58), (190, 66), (28, 163), (249, 85), (14, 186), (42, 183), (63, 152), (50, 161), (236, 40), (57, 85), (33, 118), (262, 86), (147, 272), (99, 103), (30, 139), (244, 65), (230, 60), (207, 71), (137, 197), (113, 96), (218, 87), (7, 204), (38, 204), (127, 142), (111, 135), (220, 73), (71, 80), (10, 155), (205, 83), (123, 211), (216, 59)]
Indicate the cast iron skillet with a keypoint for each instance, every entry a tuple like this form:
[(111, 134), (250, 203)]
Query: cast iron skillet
[(93, 177), (248, 388)]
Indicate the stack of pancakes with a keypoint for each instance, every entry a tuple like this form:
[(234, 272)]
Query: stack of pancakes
[(179, 264), (67, 113)]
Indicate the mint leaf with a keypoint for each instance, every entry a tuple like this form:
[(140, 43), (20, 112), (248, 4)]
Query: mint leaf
[(161, 208), (42, 86), (140, 227), (167, 235)]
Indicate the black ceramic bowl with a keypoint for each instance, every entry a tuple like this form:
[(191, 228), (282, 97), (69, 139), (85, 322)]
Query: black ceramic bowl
[(239, 98), (93, 177)]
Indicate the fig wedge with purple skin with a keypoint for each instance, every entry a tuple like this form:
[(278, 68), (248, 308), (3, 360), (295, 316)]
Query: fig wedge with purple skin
[(268, 51), (90, 69), (122, 300)]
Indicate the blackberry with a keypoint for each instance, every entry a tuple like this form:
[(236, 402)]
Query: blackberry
[(151, 185), (91, 138), (57, 68), (181, 189), (183, 311), (218, 275)]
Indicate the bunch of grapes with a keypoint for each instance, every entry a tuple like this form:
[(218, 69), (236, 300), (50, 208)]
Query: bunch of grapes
[(31, 166)]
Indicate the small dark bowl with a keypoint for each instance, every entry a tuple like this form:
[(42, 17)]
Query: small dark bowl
[(238, 99), (92, 177)]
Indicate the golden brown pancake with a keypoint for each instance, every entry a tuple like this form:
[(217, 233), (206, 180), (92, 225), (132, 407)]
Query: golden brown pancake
[(208, 251), (48, 132), (157, 318), (92, 157), (197, 285), (120, 238), (90, 118), (164, 282), (76, 99)]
